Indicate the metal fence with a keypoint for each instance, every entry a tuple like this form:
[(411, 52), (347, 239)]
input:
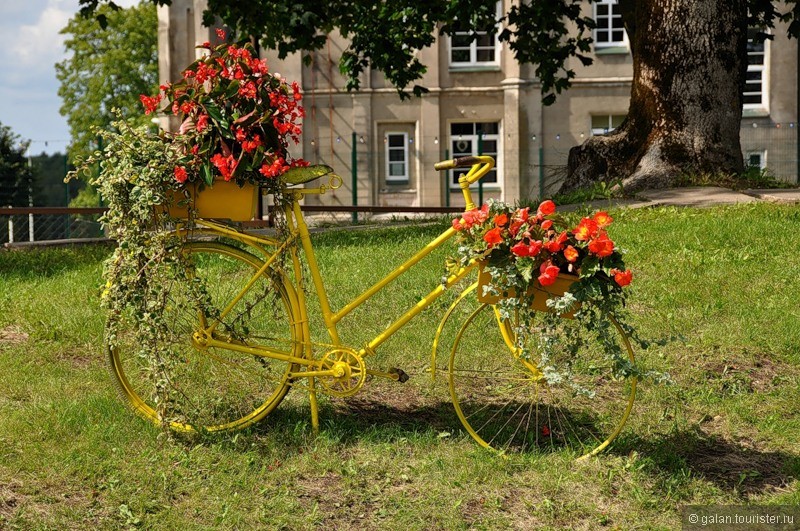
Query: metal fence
[(36, 224)]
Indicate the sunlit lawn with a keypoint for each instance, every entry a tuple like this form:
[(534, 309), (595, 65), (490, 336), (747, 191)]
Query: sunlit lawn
[(726, 279)]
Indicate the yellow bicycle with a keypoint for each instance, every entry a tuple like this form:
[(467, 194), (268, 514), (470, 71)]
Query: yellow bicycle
[(237, 352)]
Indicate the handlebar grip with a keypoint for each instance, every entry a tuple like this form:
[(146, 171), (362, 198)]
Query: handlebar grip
[(461, 162)]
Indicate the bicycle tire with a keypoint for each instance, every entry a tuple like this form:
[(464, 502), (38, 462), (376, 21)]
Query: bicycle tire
[(505, 404), (212, 389)]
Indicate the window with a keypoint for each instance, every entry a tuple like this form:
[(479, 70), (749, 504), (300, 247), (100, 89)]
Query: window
[(756, 159), (479, 48), (476, 139), (754, 95), (609, 31), (605, 123), (396, 158)]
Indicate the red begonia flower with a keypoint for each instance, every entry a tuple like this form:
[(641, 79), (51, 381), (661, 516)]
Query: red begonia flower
[(493, 237), (547, 207), (571, 253)]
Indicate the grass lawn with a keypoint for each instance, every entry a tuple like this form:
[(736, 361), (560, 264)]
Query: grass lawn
[(394, 456)]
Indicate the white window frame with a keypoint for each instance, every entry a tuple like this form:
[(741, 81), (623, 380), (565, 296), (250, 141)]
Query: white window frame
[(473, 138), (610, 123), (763, 68), (762, 158), (608, 25), (397, 179), (473, 47)]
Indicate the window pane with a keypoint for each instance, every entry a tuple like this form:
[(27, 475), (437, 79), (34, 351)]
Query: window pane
[(460, 56), (397, 155), (618, 36), (616, 23), (462, 129), (489, 146), (617, 120), (487, 128), (396, 140), (602, 36), (754, 77), (485, 40), (485, 56), (602, 10), (461, 41), (397, 169), (752, 99)]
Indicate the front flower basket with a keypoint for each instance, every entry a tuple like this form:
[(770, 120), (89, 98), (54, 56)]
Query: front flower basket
[(540, 293), (224, 200)]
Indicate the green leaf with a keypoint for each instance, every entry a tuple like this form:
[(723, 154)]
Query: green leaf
[(207, 177)]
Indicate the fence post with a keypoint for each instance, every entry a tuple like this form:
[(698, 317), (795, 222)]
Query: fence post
[(354, 185), (480, 182), (10, 228), (447, 177)]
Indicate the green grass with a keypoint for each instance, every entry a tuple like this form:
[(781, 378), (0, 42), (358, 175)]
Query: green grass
[(393, 457)]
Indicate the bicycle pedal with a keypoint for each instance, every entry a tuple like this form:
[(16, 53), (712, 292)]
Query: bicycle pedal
[(402, 377)]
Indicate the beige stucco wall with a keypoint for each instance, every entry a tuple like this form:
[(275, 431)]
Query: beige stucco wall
[(534, 140)]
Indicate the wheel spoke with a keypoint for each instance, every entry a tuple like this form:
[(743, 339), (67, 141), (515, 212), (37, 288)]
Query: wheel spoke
[(509, 406)]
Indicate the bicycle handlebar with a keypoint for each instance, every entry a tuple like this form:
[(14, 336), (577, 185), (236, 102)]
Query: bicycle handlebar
[(479, 166), (460, 162)]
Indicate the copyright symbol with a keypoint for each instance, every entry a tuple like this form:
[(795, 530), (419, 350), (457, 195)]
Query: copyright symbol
[(692, 518)]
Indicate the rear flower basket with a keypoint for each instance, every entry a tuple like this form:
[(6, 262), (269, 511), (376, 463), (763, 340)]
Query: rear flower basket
[(237, 122), (225, 200)]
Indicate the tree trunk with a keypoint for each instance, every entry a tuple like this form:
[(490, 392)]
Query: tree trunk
[(689, 64)]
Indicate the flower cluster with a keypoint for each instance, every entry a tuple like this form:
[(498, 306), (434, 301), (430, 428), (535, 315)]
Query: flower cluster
[(540, 244), (237, 119)]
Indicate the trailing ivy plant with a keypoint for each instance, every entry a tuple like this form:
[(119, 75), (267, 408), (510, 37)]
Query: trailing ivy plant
[(135, 179)]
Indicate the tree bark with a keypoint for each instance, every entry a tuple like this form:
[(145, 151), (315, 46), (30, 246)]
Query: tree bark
[(689, 65)]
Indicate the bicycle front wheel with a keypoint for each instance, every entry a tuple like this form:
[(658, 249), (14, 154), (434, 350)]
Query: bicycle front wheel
[(176, 380), (506, 404)]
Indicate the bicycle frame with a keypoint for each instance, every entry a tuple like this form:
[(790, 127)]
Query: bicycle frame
[(298, 230)]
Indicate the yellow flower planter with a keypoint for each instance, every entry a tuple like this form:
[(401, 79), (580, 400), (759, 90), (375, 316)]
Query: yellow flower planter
[(540, 293), (224, 200)]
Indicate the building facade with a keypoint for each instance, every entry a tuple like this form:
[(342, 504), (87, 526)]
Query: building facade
[(481, 100)]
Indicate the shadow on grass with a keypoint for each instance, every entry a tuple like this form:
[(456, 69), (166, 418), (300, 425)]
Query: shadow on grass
[(731, 466), (49, 262)]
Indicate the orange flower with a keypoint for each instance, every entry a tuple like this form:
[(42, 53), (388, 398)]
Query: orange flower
[(622, 278), (493, 237), (586, 229), (602, 246), (548, 273), (571, 253), (547, 207), (603, 219), (500, 220)]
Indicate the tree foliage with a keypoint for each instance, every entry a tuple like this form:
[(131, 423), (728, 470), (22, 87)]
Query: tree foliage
[(15, 173), (387, 35), (110, 65)]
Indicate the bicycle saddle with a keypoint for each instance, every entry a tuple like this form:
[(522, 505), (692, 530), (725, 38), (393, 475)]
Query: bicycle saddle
[(302, 175)]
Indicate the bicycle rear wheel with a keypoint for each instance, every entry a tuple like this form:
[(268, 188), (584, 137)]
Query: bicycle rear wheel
[(195, 388), (505, 403)]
